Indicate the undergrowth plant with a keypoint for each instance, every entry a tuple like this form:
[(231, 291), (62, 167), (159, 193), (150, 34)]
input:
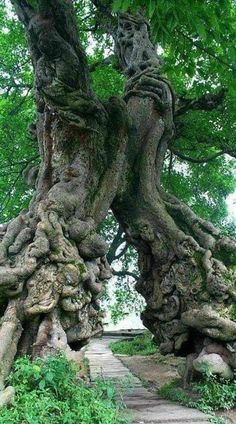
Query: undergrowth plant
[(139, 345), (49, 392), (209, 395)]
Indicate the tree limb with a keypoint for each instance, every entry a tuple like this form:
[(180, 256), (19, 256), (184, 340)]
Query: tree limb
[(206, 102), (195, 160), (116, 242), (52, 33), (170, 163), (122, 252), (16, 109), (125, 273), (199, 46), (109, 60), (104, 18), (23, 162)]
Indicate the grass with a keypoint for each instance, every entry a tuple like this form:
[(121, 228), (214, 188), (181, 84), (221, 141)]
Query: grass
[(139, 345), (209, 395), (48, 392)]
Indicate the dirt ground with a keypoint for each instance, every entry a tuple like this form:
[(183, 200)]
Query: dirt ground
[(157, 370)]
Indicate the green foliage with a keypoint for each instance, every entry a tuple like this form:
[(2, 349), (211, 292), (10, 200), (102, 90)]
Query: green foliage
[(196, 40), (218, 420), (216, 394), (170, 391), (17, 150), (124, 299), (191, 69), (47, 392), (233, 312), (107, 81), (203, 187), (139, 345), (209, 395), (197, 35)]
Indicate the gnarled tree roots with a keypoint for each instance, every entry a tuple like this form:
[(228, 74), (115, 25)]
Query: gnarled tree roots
[(51, 277), (189, 286), (186, 264), (97, 155)]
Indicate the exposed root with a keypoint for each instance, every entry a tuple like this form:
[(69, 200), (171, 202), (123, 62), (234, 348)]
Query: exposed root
[(54, 289), (10, 333)]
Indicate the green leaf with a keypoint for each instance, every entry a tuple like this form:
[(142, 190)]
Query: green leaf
[(42, 384), (200, 27), (151, 8), (118, 5)]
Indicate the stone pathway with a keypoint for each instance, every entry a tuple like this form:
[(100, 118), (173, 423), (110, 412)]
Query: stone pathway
[(145, 407)]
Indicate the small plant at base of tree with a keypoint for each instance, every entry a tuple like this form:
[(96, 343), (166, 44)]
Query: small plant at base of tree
[(48, 391), (209, 395)]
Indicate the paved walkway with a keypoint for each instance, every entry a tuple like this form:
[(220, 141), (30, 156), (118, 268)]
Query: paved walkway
[(145, 407)]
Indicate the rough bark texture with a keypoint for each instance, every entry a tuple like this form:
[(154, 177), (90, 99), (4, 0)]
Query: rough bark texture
[(95, 155), (186, 264), (52, 261)]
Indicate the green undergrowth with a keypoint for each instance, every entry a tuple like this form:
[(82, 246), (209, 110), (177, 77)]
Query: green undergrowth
[(139, 345), (209, 395), (49, 392)]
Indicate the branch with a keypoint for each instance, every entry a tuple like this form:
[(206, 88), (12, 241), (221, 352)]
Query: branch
[(116, 242), (16, 109), (7, 85), (8, 195), (6, 199), (205, 50), (194, 160), (206, 102), (105, 20), (122, 252), (24, 10), (109, 60), (125, 273), (53, 36), (170, 163), (103, 7)]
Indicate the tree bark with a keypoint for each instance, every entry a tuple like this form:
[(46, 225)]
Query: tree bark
[(96, 155), (186, 264), (52, 260)]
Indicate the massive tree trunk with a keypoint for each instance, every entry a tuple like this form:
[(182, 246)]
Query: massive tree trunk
[(96, 155), (52, 259), (186, 264)]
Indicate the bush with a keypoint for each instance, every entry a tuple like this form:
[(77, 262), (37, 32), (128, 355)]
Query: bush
[(139, 345), (47, 392), (216, 394), (212, 394)]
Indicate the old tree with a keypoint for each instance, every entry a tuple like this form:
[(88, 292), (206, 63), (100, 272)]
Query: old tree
[(98, 155)]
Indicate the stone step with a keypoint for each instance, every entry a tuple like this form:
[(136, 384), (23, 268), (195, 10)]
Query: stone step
[(143, 406)]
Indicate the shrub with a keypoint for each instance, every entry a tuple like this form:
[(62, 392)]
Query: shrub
[(47, 392), (139, 345), (216, 394), (213, 394)]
